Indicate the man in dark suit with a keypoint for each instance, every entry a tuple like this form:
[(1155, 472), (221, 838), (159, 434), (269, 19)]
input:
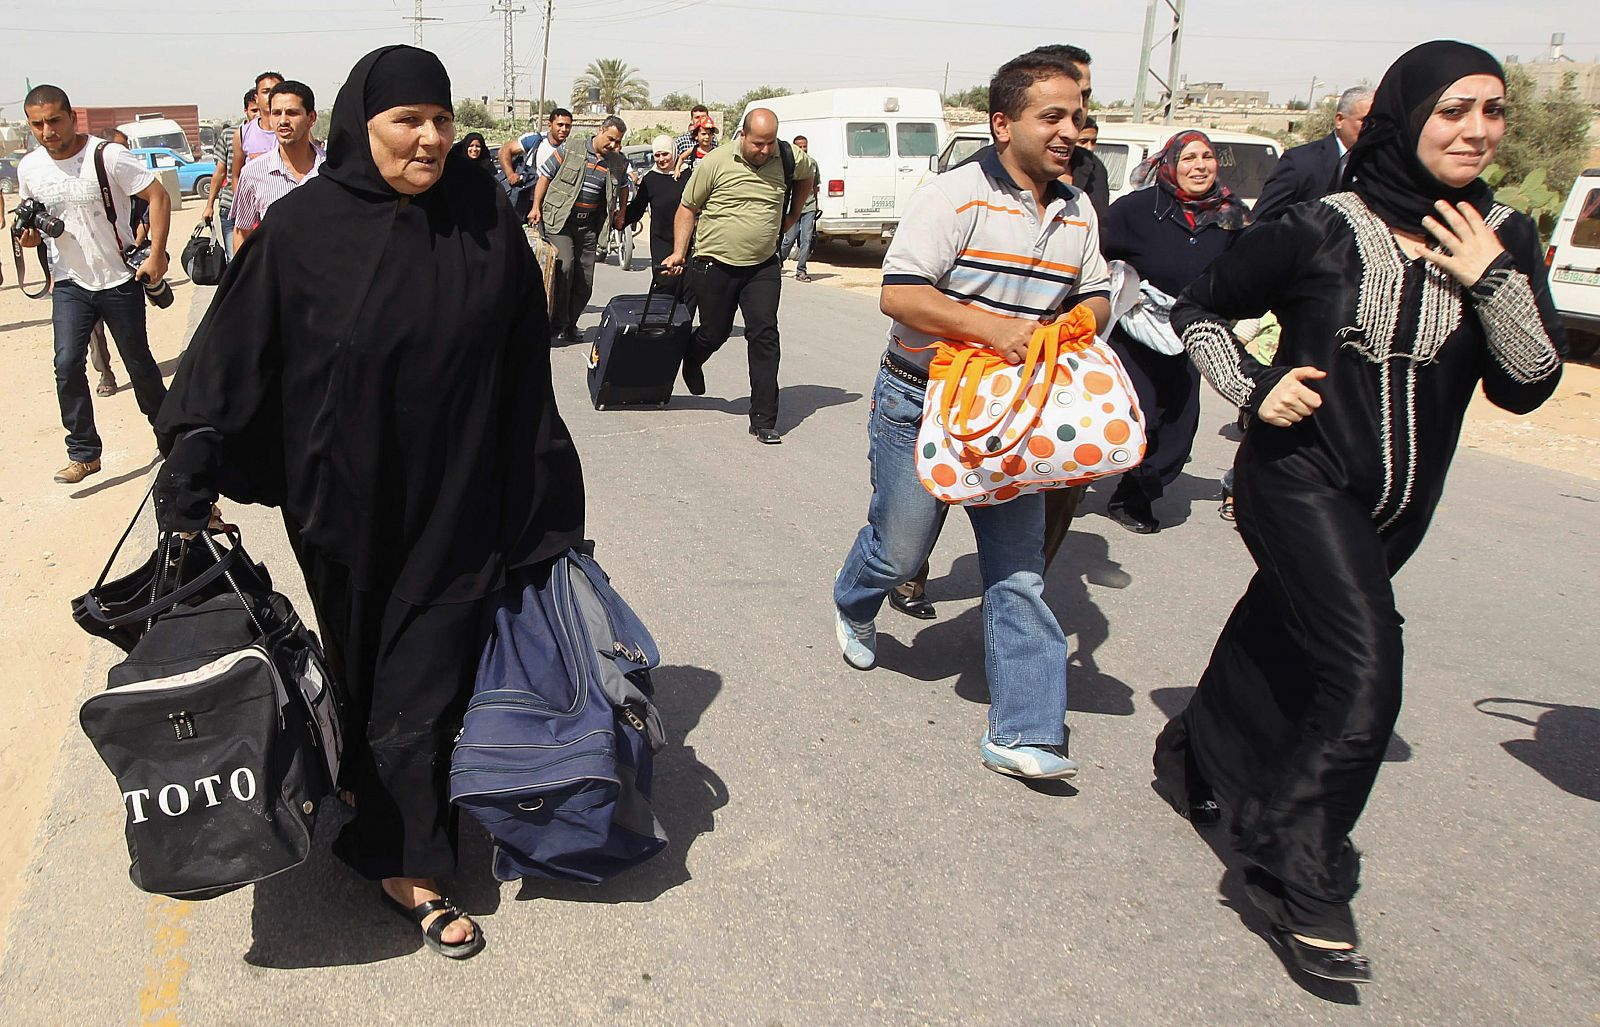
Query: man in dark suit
[(1312, 171)]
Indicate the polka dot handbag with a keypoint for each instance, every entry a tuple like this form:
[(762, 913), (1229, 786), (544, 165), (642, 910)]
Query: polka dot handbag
[(993, 431)]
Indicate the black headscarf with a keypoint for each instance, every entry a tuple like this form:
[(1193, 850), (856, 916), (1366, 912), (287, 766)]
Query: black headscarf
[(379, 366), (483, 160), (1384, 169)]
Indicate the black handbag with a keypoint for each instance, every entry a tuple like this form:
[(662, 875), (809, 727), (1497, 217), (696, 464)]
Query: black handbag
[(178, 571), (222, 727), (204, 256)]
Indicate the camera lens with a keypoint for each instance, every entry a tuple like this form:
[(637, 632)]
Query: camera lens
[(159, 293)]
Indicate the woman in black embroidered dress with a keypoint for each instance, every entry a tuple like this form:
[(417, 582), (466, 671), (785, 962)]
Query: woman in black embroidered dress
[(1397, 297)]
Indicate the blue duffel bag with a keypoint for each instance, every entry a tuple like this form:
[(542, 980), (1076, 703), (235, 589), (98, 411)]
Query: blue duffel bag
[(555, 751)]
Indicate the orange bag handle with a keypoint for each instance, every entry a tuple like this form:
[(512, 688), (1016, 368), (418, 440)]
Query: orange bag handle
[(963, 367)]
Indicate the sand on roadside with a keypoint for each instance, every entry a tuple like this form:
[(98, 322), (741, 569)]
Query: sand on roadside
[(55, 539)]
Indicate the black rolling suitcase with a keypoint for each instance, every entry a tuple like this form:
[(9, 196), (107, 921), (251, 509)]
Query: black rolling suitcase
[(638, 349)]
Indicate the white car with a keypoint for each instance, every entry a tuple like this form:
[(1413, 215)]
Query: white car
[(1246, 160), (1574, 262)]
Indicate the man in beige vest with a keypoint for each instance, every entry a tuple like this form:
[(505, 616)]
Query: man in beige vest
[(582, 190)]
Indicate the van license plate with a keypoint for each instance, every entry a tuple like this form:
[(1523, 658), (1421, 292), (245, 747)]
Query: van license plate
[(1567, 274)]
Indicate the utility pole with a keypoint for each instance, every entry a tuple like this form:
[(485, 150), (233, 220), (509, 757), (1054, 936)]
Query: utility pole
[(1174, 51), (416, 21), (544, 68), (507, 65), (1311, 94), (946, 90)]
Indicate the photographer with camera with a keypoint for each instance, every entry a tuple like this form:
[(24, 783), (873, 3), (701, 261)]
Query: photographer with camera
[(77, 193)]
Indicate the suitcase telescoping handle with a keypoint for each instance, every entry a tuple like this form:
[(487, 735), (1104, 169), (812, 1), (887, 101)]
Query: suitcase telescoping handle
[(649, 299)]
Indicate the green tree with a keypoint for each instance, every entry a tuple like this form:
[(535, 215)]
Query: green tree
[(645, 136), (734, 111), (676, 102), (619, 84), (976, 98), (1548, 133), (472, 113), (1317, 122)]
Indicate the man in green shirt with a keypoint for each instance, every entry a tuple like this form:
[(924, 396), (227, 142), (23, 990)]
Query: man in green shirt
[(742, 199)]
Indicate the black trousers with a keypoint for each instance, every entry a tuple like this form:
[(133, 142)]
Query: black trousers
[(1169, 397), (576, 249), (407, 672), (753, 290)]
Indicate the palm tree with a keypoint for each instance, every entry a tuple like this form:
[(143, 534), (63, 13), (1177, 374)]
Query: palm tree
[(619, 84)]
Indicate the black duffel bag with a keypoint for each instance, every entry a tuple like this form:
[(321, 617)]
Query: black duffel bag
[(204, 256), (223, 728)]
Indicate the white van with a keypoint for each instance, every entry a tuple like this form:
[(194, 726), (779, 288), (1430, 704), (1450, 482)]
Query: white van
[(155, 134), (1246, 160), (874, 147), (1574, 262)]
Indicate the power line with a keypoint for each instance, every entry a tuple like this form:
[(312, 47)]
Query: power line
[(416, 21), (508, 62)]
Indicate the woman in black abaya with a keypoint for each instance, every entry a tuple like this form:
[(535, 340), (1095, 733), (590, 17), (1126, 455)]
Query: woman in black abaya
[(376, 362), (1397, 298)]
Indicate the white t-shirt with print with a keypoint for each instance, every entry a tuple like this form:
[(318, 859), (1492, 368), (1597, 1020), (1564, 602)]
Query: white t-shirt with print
[(87, 251)]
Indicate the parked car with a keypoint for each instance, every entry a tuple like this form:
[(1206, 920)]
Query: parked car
[(194, 176), (1246, 160), (640, 161), (874, 146), (1574, 262), (8, 176)]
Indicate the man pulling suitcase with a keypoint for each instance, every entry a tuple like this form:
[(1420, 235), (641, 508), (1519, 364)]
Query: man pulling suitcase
[(744, 201)]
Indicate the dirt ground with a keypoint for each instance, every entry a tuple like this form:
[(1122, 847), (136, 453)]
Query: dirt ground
[(56, 537)]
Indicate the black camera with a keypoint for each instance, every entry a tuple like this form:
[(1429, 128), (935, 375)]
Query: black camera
[(159, 292), (30, 213)]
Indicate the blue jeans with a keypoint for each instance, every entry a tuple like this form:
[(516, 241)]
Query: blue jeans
[(74, 313), (803, 231), (1025, 650)]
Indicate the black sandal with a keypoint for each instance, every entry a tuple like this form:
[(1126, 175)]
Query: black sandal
[(433, 934)]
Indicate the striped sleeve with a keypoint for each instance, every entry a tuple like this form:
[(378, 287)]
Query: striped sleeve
[(927, 241)]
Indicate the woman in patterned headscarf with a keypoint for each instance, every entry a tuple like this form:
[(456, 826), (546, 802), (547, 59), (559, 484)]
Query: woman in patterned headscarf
[(1397, 298), (1181, 219)]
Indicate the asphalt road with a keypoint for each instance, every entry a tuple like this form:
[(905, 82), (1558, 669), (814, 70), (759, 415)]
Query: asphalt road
[(839, 856)]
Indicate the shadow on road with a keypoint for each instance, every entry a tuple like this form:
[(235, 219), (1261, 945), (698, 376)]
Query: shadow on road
[(19, 325), (111, 483), (1174, 507), (293, 912), (1564, 745), (958, 642), (686, 796), (795, 403)]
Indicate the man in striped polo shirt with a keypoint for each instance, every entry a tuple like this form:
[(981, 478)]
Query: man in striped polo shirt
[(985, 253)]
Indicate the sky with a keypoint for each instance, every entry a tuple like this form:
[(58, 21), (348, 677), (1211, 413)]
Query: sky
[(209, 51)]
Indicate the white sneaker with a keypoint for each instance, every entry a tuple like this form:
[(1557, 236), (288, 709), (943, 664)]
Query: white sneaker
[(1034, 762), (858, 642)]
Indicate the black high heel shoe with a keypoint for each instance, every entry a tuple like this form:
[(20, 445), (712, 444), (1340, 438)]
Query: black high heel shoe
[(1347, 966)]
